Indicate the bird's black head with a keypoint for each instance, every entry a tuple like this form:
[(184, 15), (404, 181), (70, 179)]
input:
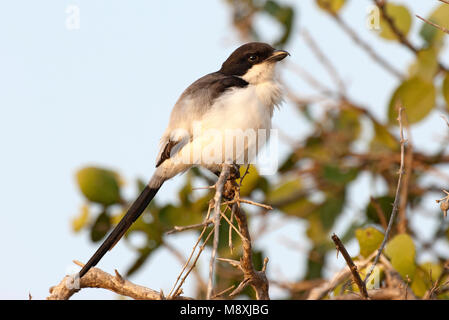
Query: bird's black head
[(253, 61)]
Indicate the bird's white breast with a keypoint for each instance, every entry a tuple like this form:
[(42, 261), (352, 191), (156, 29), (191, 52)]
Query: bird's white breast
[(248, 110), (244, 108)]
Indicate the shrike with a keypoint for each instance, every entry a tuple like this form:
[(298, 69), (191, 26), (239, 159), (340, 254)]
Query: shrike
[(240, 97)]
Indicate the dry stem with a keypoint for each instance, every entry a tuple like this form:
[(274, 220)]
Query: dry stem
[(397, 196), (96, 278), (355, 274)]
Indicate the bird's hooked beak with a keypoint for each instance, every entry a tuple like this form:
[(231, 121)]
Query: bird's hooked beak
[(278, 55)]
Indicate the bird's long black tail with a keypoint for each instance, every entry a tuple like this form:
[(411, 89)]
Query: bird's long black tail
[(133, 213)]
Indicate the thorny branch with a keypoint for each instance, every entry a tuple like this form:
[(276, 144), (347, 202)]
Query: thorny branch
[(321, 291), (382, 5), (445, 30), (217, 216), (363, 44), (433, 24), (397, 195), (97, 278), (355, 274), (257, 279)]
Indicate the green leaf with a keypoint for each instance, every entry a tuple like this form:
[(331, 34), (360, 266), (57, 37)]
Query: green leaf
[(425, 276), (284, 15), (385, 204), (284, 190), (315, 148), (331, 5), (369, 240), (330, 209), (315, 231), (171, 216), (301, 207), (99, 185), (81, 220), (401, 251), (289, 163), (315, 263), (144, 254), (250, 181), (417, 96), (347, 124), (289, 197), (434, 36), (426, 65), (383, 140), (446, 90), (339, 175), (185, 192), (402, 19), (101, 227)]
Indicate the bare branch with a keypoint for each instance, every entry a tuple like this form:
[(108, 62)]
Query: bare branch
[(190, 227), (257, 279), (381, 4), (96, 278), (332, 71), (380, 213), (224, 175), (322, 290), (178, 288), (403, 196), (397, 196), (355, 274), (365, 46), (433, 24), (401, 37), (375, 294)]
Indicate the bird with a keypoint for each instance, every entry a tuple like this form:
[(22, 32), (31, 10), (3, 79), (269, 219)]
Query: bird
[(240, 97)]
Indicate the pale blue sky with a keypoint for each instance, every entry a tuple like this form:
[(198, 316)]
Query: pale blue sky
[(102, 95)]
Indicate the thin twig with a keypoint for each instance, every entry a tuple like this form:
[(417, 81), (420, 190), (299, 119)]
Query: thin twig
[(402, 217), (365, 45), (96, 278), (313, 82), (381, 4), (332, 71), (223, 292), (355, 274), (397, 196), (321, 291), (394, 28), (265, 206), (190, 227), (257, 279), (231, 246), (183, 261), (173, 291), (231, 225), (244, 175), (433, 24), (224, 175), (380, 213), (178, 289)]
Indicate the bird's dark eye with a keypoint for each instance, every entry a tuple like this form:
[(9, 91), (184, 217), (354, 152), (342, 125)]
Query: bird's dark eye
[(252, 58)]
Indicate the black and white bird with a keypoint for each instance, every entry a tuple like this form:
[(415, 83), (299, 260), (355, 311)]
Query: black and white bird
[(241, 96)]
